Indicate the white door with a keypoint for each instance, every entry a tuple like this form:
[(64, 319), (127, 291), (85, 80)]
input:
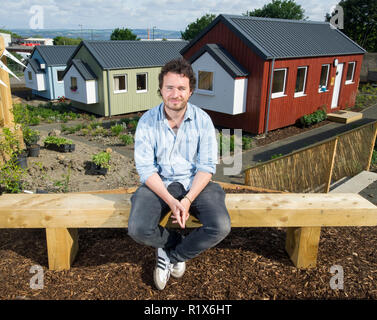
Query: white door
[(338, 78)]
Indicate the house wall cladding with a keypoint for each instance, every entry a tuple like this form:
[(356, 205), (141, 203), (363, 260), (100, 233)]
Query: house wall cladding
[(132, 101), (286, 110)]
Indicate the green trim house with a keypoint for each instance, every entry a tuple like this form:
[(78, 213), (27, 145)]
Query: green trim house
[(116, 77)]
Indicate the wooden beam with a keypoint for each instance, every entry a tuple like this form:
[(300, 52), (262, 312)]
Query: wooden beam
[(62, 247), (302, 246), (72, 210)]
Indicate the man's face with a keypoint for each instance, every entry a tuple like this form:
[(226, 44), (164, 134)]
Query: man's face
[(175, 91)]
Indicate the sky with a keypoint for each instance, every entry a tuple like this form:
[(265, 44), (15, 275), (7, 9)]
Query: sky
[(141, 14)]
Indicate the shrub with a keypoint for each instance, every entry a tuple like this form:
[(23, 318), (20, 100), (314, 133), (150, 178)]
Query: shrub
[(30, 136), (313, 118), (57, 140), (126, 139), (116, 129), (102, 159)]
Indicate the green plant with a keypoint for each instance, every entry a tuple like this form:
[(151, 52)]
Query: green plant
[(126, 139), (31, 136), (116, 129), (313, 118), (10, 143), (247, 143), (64, 183), (102, 159), (57, 140), (374, 158), (274, 156), (11, 176)]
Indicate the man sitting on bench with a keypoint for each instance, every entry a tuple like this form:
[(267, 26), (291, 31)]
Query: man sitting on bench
[(176, 156)]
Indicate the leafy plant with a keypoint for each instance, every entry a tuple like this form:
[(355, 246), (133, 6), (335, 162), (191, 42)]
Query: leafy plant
[(102, 159), (31, 136), (116, 129), (127, 139), (314, 117), (57, 140), (374, 158), (10, 143), (274, 156), (11, 176), (64, 183)]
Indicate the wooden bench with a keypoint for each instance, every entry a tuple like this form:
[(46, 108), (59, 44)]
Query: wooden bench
[(303, 214)]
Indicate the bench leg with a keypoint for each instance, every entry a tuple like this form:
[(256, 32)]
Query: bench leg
[(62, 246), (302, 246)]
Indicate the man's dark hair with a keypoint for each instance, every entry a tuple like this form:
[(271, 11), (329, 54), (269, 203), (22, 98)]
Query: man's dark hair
[(179, 66)]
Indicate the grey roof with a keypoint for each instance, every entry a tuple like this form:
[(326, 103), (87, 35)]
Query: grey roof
[(83, 68), (55, 55), (133, 54), (34, 64), (281, 38), (224, 58)]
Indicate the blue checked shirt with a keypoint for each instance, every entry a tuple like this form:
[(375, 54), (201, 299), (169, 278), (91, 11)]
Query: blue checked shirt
[(175, 157)]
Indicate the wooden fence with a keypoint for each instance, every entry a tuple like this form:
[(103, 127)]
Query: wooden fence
[(314, 168)]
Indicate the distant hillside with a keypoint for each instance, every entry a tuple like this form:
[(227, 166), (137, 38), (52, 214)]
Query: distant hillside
[(95, 34)]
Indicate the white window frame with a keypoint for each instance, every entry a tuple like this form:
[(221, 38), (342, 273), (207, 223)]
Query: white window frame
[(327, 77), (146, 82), (202, 91), (281, 93), (125, 81), (353, 72), (57, 76), (301, 93)]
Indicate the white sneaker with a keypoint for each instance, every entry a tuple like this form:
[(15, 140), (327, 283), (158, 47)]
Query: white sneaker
[(178, 269), (161, 273)]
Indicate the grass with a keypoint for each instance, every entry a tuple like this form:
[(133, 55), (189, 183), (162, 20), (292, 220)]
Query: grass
[(366, 97)]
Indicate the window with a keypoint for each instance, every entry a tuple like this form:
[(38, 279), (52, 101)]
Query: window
[(141, 82), (278, 83), (60, 75), (120, 83), (30, 75), (350, 72), (73, 84), (324, 78), (205, 81), (300, 81)]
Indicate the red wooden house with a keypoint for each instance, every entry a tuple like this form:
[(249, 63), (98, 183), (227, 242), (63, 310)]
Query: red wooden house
[(261, 74)]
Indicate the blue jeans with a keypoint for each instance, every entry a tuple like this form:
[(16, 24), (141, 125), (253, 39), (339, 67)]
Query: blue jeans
[(209, 208)]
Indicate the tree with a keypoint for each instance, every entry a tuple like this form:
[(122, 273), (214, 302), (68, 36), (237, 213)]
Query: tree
[(123, 34), (194, 28), (285, 9), (360, 22), (65, 41)]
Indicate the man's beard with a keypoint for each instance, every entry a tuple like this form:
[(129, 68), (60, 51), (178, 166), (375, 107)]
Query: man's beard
[(177, 107)]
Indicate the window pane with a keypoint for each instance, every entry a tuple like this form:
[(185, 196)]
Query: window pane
[(205, 81), (119, 83), (351, 66), (324, 74), (30, 75), (278, 82), (60, 75), (300, 79), (73, 82), (141, 81)]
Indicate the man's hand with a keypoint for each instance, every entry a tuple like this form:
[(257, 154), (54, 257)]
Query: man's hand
[(179, 212)]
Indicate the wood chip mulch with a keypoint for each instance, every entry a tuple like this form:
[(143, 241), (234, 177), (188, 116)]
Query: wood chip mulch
[(251, 263)]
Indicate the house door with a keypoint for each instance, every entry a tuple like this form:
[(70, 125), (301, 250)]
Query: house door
[(338, 78)]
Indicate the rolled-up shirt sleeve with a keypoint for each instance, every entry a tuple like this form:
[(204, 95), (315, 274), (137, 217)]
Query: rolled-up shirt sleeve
[(207, 150), (144, 151)]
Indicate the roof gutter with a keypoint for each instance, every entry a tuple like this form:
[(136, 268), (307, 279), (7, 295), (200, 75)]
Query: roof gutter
[(108, 91), (269, 95)]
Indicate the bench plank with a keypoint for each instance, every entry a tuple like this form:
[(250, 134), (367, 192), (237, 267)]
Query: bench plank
[(72, 210)]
